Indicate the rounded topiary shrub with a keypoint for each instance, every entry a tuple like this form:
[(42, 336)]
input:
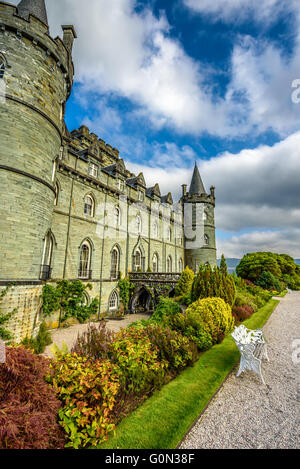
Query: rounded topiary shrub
[(215, 314)]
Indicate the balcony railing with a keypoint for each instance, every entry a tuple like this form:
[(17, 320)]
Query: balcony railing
[(45, 272), (84, 274)]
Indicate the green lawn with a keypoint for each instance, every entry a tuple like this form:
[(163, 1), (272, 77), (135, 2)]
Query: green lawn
[(163, 420)]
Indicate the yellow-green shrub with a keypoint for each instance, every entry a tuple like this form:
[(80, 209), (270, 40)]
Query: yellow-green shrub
[(215, 315)]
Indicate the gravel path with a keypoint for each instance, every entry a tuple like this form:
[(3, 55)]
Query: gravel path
[(246, 414), (69, 335)]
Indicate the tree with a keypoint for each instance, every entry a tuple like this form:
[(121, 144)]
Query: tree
[(223, 265), (185, 282), (125, 288), (210, 283), (69, 299)]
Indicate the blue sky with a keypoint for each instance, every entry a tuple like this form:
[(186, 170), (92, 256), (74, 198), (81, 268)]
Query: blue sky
[(171, 82)]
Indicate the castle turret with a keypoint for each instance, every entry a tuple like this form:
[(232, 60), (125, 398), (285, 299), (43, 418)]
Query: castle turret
[(37, 81), (33, 7), (199, 223)]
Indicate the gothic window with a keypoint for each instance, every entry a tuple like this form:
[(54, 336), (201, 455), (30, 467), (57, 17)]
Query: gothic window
[(89, 206), (169, 264), (138, 222), (180, 265), (206, 239), (114, 301), (56, 194), (155, 263), (169, 235), (47, 257), (155, 230), (54, 169), (194, 216), (93, 170), (85, 261), (2, 67), (117, 216), (115, 263), (138, 261)]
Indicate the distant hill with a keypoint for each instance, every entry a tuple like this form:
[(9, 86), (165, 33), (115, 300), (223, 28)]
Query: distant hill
[(231, 262), (297, 261)]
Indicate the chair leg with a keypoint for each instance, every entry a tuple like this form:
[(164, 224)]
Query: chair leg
[(258, 371)]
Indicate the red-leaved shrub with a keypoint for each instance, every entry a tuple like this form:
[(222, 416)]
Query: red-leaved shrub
[(241, 313), (28, 405)]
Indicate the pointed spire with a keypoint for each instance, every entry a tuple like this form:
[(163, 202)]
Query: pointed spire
[(33, 7), (197, 186)]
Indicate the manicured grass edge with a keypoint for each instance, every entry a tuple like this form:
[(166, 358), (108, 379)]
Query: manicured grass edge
[(163, 420)]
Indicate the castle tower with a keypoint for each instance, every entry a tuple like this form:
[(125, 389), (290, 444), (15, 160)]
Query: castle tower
[(199, 222), (36, 81)]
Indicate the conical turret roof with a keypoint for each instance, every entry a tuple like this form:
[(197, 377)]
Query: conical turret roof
[(33, 7), (197, 186)]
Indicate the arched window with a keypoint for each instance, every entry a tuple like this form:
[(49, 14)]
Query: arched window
[(180, 265), (138, 222), (114, 301), (85, 261), (115, 263), (169, 264), (56, 194), (155, 263), (155, 229), (86, 299), (206, 239), (117, 216), (169, 234), (2, 67), (89, 206), (138, 261), (47, 257)]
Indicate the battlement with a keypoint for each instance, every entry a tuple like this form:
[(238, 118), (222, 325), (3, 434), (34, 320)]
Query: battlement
[(83, 136), (36, 31)]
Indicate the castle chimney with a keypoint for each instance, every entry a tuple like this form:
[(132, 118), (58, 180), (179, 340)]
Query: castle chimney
[(212, 191), (69, 36)]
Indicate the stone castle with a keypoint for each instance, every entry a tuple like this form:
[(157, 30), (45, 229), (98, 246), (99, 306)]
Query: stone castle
[(69, 207)]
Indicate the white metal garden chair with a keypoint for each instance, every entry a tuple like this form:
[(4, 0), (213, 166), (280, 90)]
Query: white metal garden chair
[(252, 347)]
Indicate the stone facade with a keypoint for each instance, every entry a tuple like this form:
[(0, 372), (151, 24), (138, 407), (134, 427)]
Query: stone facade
[(69, 207)]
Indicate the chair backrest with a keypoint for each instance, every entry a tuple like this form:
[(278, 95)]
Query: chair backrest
[(245, 336)]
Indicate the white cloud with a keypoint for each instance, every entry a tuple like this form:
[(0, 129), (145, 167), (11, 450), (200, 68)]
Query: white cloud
[(240, 10), (280, 242), (132, 55), (255, 190)]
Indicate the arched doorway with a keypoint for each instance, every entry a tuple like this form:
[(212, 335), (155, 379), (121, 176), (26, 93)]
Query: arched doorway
[(141, 301)]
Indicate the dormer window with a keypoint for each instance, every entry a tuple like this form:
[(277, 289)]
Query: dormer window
[(121, 185), (141, 196), (93, 170)]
